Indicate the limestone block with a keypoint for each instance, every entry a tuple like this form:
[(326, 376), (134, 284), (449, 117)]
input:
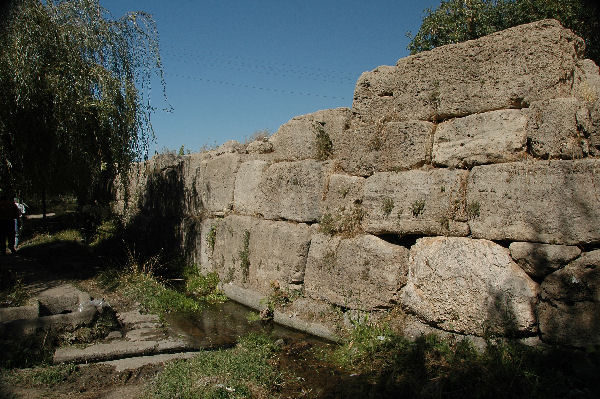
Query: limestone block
[(364, 272), (250, 252), (428, 202), (490, 137), (552, 129), (553, 202), (569, 312), (506, 69), (365, 149), (277, 253), (260, 147), (247, 194), (227, 243), (297, 139), (469, 286), (215, 182), (343, 191), (539, 260), (293, 190)]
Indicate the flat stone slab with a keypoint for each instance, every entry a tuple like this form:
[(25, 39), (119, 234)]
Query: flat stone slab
[(118, 349), (19, 313), (132, 363)]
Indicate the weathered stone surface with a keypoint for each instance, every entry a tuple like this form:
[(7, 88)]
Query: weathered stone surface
[(469, 286), (248, 194), (429, 202), (293, 190), (365, 149), (253, 253), (260, 147), (539, 260), (552, 129), (554, 202), (490, 137), (503, 70), (343, 191), (297, 139), (215, 181), (569, 313), (277, 253), (227, 244), (363, 272), (586, 88), (19, 313)]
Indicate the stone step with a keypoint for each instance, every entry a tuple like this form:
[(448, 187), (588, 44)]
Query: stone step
[(119, 349)]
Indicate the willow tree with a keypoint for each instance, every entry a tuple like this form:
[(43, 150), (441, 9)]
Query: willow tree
[(455, 21), (75, 105)]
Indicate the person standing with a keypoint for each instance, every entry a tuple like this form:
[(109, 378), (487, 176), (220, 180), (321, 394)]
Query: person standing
[(19, 220), (8, 213)]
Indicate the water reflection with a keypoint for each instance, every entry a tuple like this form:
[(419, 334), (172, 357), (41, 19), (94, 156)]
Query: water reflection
[(220, 326)]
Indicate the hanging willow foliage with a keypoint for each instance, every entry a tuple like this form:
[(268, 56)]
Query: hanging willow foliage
[(75, 105)]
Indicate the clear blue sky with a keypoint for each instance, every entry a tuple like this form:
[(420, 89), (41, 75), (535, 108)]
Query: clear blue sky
[(233, 67)]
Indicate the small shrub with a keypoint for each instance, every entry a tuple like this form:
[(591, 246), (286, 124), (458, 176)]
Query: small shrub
[(387, 206), (418, 207), (346, 222), (473, 210), (245, 256), (323, 143), (211, 236)]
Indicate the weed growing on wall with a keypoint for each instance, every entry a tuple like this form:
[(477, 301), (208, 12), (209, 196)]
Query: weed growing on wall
[(211, 236), (323, 143), (417, 208), (473, 210), (244, 255), (387, 206)]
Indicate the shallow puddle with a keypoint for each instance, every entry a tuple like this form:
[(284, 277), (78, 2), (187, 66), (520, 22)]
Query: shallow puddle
[(220, 326)]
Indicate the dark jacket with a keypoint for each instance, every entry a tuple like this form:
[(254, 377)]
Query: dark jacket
[(8, 210)]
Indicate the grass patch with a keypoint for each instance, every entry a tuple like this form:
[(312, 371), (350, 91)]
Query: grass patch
[(204, 287), (12, 290), (432, 367), (68, 235), (40, 376), (242, 372)]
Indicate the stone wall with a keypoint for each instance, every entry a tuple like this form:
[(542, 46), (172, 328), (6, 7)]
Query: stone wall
[(460, 194)]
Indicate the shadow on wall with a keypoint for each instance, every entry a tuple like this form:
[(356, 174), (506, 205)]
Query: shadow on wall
[(154, 230)]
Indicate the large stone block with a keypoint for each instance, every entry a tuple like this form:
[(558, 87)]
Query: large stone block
[(553, 202), (490, 137), (277, 253), (552, 129), (297, 139), (539, 260), (470, 287), (250, 252), (247, 194), (506, 69), (393, 146), (215, 182), (364, 272), (569, 313), (427, 202), (293, 190), (226, 244)]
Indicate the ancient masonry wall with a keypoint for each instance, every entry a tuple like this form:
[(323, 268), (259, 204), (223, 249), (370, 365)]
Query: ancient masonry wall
[(460, 194)]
